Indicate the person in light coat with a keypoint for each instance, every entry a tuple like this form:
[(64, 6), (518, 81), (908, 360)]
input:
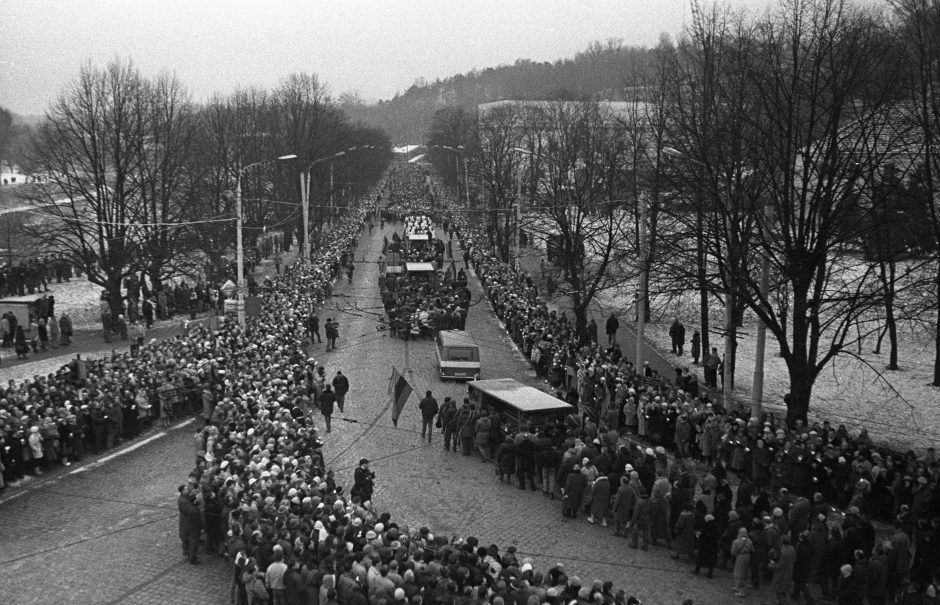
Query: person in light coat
[(741, 550)]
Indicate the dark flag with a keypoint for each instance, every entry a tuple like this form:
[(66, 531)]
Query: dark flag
[(398, 391)]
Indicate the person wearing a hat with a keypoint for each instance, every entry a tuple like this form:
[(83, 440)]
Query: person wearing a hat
[(574, 490), (707, 555), (327, 399), (363, 481)]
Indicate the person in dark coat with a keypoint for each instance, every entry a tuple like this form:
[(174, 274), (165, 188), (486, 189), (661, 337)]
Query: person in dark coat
[(592, 331), (642, 519), (613, 324), (624, 501), (190, 524), (340, 388), (849, 590), (802, 568), (696, 347), (600, 501), (20, 346), (363, 481), (677, 335), (525, 463), (685, 533), (782, 567), (707, 556), (506, 459), (429, 409), (575, 485), (313, 329), (327, 399)]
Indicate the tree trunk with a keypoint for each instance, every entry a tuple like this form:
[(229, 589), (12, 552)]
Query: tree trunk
[(881, 336), (936, 342), (801, 389), (890, 319), (113, 288)]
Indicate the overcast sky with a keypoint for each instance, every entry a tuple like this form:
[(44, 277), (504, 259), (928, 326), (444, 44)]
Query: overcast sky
[(375, 48)]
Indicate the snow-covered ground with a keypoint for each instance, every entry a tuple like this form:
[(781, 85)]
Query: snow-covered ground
[(898, 408)]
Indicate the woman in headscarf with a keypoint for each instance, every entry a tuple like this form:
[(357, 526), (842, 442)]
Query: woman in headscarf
[(741, 550)]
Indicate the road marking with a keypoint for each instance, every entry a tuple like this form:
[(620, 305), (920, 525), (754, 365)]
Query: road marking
[(98, 462)]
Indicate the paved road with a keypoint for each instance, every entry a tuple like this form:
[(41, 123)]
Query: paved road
[(109, 534)]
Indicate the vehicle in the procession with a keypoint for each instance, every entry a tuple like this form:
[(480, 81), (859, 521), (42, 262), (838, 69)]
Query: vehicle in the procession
[(458, 356), (518, 404)]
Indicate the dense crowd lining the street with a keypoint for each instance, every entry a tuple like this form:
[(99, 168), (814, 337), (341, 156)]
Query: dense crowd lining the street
[(807, 493), (261, 495)]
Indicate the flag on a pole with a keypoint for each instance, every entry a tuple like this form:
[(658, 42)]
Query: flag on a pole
[(399, 391)]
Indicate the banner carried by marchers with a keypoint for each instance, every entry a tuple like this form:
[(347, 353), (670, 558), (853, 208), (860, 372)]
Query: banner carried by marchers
[(398, 391)]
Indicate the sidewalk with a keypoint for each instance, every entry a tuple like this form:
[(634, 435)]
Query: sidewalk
[(626, 334)]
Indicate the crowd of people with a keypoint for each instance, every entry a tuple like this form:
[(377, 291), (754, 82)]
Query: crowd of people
[(642, 456), (292, 533), (651, 456), (33, 275), (423, 303)]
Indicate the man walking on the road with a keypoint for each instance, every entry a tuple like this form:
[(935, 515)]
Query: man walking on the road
[(313, 328), (327, 399), (677, 334), (447, 418), (429, 409), (613, 324), (332, 333), (340, 388)]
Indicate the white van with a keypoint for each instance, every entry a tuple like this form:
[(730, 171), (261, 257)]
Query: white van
[(458, 356)]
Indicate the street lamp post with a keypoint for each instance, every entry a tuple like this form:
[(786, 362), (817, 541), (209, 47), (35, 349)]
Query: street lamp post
[(239, 237), (305, 181), (517, 206)]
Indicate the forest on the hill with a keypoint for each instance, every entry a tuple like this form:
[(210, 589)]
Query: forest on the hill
[(601, 71)]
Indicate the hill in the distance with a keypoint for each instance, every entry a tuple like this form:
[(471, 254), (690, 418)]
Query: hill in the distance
[(599, 72)]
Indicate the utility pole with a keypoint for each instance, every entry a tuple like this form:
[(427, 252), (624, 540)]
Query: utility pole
[(239, 255), (466, 179), (330, 217), (757, 390), (305, 203), (517, 215)]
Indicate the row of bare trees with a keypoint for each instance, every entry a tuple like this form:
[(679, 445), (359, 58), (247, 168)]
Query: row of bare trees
[(137, 178), (786, 167)]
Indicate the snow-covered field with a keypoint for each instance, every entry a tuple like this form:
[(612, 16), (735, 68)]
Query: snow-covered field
[(899, 408), (896, 407)]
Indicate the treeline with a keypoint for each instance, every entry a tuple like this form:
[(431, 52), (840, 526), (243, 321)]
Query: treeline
[(137, 178), (601, 71), (14, 138)]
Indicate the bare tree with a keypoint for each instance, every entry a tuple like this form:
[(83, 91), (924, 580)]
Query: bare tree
[(578, 198), (303, 110), (87, 151), (499, 166), (168, 182), (818, 122), (919, 36)]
